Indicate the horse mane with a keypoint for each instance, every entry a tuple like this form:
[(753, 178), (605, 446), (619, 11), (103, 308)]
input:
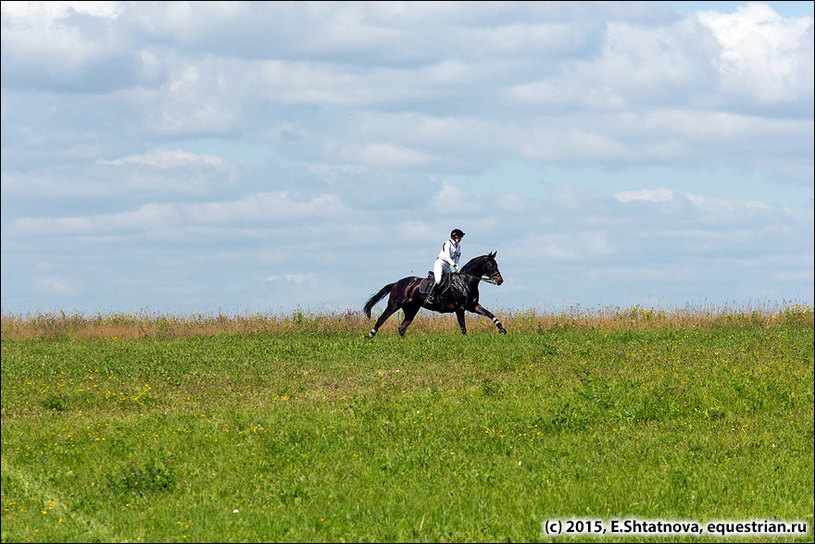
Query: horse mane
[(478, 261)]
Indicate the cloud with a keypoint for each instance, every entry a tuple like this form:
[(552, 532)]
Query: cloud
[(765, 58), (635, 65), (69, 45), (451, 198), (567, 246), (294, 278), (157, 172), (704, 210), (417, 230), (649, 195), (162, 143), (256, 209), (190, 102), (384, 155), (637, 84), (162, 158)]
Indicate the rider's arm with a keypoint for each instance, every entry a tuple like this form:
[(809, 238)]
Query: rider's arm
[(446, 254)]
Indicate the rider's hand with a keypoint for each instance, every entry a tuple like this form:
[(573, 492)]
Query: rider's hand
[(456, 268)]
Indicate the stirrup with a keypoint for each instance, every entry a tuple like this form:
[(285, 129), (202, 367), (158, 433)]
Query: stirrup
[(430, 298)]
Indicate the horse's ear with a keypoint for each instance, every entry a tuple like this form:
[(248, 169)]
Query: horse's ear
[(493, 254)]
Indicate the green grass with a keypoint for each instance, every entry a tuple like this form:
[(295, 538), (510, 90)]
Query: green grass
[(298, 429)]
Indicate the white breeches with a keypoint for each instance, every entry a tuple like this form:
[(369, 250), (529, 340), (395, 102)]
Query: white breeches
[(440, 267)]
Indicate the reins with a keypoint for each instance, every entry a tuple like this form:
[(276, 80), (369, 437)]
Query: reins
[(480, 278)]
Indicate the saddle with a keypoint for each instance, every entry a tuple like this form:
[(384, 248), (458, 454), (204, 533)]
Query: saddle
[(424, 285)]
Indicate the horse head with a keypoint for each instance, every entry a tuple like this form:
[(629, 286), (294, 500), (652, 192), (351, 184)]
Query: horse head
[(491, 269), (485, 265)]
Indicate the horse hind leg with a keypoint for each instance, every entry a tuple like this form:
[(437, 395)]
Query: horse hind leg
[(389, 311)]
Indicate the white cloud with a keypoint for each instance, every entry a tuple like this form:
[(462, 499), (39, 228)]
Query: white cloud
[(354, 136), (573, 143), (565, 246), (260, 208), (706, 210), (650, 195), (163, 158), (384, 155), (451, 199), (417, 230), (637, 65), (39, 14), (764, 56), (157, 172), (191, 103), (294, 278), (68, 45)]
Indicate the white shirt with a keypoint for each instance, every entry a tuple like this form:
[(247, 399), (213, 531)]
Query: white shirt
[(450, 253)]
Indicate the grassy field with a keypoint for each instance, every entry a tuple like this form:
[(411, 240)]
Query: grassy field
[(295, 428)]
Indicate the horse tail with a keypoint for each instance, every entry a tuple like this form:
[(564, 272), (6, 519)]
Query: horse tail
[(376, 298)]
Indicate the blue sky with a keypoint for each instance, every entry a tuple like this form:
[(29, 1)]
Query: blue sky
[(260, 157)]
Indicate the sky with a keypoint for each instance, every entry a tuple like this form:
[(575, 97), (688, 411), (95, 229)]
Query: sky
[(259, 157)]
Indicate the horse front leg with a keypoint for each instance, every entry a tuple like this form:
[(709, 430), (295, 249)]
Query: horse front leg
[(461, 323), (480, 310), (410, 313)]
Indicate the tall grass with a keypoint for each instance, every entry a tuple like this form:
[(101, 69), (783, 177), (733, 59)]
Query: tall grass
[(295, 428), (147, 324)]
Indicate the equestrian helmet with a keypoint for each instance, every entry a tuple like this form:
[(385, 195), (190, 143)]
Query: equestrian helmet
[(457, 233)]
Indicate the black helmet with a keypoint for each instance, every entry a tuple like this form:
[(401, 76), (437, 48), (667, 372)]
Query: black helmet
[(457, 233)]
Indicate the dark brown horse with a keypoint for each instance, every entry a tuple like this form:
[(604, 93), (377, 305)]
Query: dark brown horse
[(461, 295)]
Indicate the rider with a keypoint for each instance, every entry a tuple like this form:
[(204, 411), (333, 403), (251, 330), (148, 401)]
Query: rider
[(446, 262)]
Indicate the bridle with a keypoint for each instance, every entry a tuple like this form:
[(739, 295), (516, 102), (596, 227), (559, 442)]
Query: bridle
[(485, 279)]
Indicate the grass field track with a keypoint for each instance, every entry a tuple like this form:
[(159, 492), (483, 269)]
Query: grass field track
[(296, 428)]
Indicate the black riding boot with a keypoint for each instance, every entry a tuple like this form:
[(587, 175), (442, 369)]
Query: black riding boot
[(430, 299)]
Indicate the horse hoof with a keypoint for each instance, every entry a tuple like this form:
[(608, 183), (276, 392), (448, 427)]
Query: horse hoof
[(502, 331), (369, 335)]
